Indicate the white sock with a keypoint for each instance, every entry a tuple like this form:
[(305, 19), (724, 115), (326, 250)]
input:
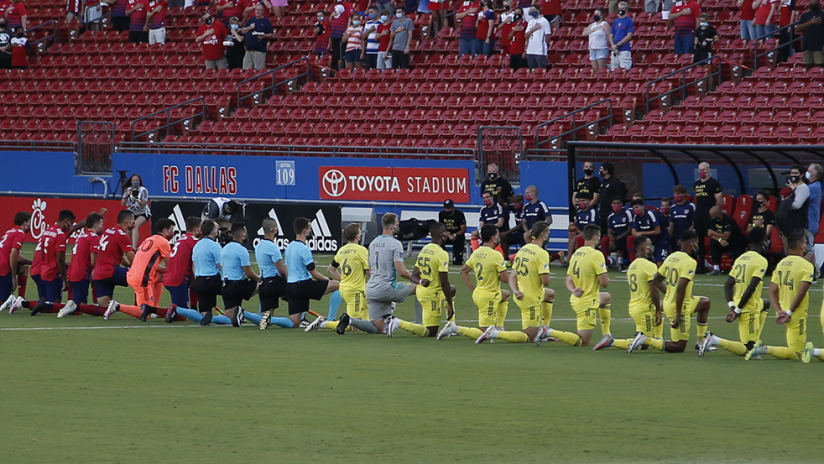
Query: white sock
[(715, 341), (816, 351), (717, 268), (322, 325)]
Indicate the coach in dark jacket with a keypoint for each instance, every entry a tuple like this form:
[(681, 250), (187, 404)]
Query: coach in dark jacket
[(611, 189)]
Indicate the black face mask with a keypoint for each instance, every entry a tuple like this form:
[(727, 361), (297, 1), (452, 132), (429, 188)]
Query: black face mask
[(209, 21), (492, 176), (597, 18), (588, 171), (518, 17), (621, 12), (795, 179)]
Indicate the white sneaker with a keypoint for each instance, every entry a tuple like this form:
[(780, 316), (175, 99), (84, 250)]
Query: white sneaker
[(705, 344), (392, 325), (7, 304), (67, 309), (110, 310), (315, 325), (448, 330), (490, 333), (636, 342), (613, 258), (18, 303), (605, 342)]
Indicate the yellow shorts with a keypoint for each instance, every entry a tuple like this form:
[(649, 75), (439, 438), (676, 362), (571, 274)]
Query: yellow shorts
[(487, 309), (644, 317), (585, 311), (355, 303), (797, 333), (749, 326), (531, 315), (682, 332), (434, 306)]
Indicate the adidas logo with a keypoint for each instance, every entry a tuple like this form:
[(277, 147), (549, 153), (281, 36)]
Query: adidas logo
[(321, 240), (180, 223)]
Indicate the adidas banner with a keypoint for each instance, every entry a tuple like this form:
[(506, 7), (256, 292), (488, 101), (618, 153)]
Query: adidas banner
[(326, 221)]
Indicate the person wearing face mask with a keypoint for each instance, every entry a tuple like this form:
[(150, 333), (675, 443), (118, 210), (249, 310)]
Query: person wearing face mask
[(370, 31), (513, 38), (400, 38), (384, 31), (235, 50), (259, 31), (681, 215), (708, 193), (646, 223), (813, 178), (354, 43), (683, 15), (467, 15), (611, 188), (584, 215), (600, 40), (322, 35), (337, 27), (454, 222), (705, 36), (534, 210), (623, 29), (210, 35), (725, 237), (485, 28), (761, 217), (588, 184), (136, 199), (812, 34), (499, 187), (537, 31), (618, 229)]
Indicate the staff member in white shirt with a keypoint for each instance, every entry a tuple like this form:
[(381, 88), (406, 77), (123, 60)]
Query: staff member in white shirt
[(537, 31)]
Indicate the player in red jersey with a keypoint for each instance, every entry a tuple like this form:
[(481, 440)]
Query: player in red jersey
[(179, 274), (50, 263), (82, 263), (145, 276), (12, 265), (114, 248)]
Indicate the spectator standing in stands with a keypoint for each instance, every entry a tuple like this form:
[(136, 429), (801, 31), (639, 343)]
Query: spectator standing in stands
[(136, 10), (249, 9), (5, 45), (17, 16), (384, 31), (279, 7), (589, 184), (683, 16), (235, 51), (156, 22), (681, 215), (370, 32), (354, 42), (499, 187), (455, 223), (322, 34), (812, 34), (439, 21), (258, 31), (725, 237), (551, 9), (611, 189), (765, 15), (708, 193), (761, 217), (623, 28), (210, 35), (600, 40), (705, 36), (120, 21), (536, 34), (747, 16), (467, 15), (485, 29), (74, 10), (401, 38), (338, 25), (513, 39), (228, 8), (785, 39), (813, 176)]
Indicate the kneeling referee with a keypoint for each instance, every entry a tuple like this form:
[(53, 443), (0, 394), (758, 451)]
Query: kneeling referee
[(303, 281)]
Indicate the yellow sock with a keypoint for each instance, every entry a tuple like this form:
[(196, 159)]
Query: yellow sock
[(658, 331), (605, 315), (567, 337), (733, 347), (821, 355), (546, 313), (656, 343), (512, 336), (411, 327), (503, 307), (782, 352), (761, 321), (701, 330), (622, 343), (470, 332), (329, 325)]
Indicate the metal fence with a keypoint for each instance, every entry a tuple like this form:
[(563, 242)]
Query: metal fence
[(502, 145), (577, 121), (271, 76), (187, 113), (702, 83), (95, 144)]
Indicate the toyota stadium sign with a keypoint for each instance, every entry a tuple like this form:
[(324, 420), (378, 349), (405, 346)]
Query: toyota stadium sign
[(394, 184)]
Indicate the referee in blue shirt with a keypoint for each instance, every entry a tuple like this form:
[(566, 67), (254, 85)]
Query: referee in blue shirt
[(206, 261), (273, 272), (303, 282), (240, 282)]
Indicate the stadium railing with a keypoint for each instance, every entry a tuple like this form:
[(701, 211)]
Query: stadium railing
[(95, 142), (716, 61), (504, 146), (272, 88), (42, 43), (38, 145), (770, 52), (573, 130), (170, 120)]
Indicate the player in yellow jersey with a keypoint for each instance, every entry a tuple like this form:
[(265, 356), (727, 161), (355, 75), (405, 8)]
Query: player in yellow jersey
[(743, 292), (435, 293), (351, 267), (586, 273), (490, 270), (789, 295), (678, 272), (644, 300)]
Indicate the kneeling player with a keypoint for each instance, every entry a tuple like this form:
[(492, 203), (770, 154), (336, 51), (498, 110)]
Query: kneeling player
[(435, 292), (81, 266), (51, 254), (303, 282), (178, 277), (113, 248), (272, 273), (587, 273), (145, 276), (744, 286), (12, 265), (678, 272), (789, 295)]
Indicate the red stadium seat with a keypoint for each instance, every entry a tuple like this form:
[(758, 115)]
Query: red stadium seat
[(743, 209)]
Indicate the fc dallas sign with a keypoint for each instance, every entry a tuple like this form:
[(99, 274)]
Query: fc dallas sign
[(394, 184)]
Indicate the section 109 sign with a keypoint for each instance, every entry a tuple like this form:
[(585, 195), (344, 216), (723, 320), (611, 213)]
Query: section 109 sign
[(394, 184)]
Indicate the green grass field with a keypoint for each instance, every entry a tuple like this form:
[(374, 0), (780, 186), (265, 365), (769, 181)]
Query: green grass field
[(84, 390)]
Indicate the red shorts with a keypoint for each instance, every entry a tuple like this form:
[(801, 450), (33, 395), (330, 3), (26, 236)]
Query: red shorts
[(434, 6)]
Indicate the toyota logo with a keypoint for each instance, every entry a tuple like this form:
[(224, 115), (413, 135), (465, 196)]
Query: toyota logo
[(334, 183)]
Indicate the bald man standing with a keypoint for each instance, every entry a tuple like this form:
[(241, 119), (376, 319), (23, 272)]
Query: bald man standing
[(708, 193)]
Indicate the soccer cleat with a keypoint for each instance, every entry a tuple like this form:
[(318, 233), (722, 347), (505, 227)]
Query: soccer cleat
[(705, 344), (756, 351), (303, 324), (490, 333), (7, 304), (715, 272), (807, 354), (206, 319), (18, 303), (145, 312), (315, 325), (238, 318), (605, 342), (636, 342), (391, 325), (265, 320), (171, 313), (113, 308), (448, 330), (541, 336), (67, 309), (40, 306), (342, 324)]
